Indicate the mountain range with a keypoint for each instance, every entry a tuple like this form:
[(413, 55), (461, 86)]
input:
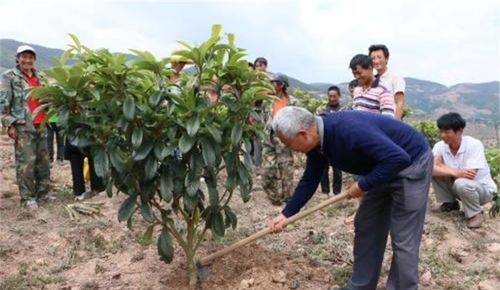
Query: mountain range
[(479, 102)]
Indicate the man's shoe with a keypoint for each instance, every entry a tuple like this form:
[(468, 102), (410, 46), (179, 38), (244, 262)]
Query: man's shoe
[(31, 204), (475, 221), (82, 196), (49, 197), (86, 195), (449, 206)]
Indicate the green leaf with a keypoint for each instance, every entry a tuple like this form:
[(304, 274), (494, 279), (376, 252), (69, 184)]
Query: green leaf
[(147, 237), (216, 133), (230, 38), (192, 125), (192, 183), (59, 74), (143, 151), (75, 39), (116, 160), (129, 108), (231, 182), (231, 218), (217, 224), (41, 92), (101, 162), (151, 167), (155, 98), (186, 143), (216, 29), (165, 246), (127, 209), (245, 191), (236, 134), (161, 151), (213, 194), (243, 174), (208, 152), (147, 213), (137, 135), (166, 186)]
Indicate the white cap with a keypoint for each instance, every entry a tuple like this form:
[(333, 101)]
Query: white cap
[(24, 48)]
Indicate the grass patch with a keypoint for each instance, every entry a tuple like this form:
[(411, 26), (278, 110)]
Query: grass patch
[(25, 281), (437, 265), (340, 275), (478, 270), (69, 259), (90, 286), (439, 232)]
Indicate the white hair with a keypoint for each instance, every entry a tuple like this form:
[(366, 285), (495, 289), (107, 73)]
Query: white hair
[(289, 120)]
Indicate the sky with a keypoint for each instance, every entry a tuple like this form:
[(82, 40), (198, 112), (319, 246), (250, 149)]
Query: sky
[(445, 41)]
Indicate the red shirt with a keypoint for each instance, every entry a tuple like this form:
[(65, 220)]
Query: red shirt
[(34, 103)]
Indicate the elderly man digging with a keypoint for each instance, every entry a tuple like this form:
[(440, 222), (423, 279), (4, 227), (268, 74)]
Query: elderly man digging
[(395, 163)]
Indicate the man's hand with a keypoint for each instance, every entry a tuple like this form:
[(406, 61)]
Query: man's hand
[(12, 133), (277, 223), (354, 191), (465, 173)]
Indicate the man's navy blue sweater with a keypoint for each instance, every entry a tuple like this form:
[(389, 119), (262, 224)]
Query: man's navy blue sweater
[(374, 146)]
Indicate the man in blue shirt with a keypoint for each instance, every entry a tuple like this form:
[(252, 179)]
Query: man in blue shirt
[(395, 164), (332, 106)]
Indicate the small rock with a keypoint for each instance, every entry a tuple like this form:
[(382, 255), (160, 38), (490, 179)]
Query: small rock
[(99, 268), (247, 283), (428, 242), (40, 262), (484, 285), (294, 285), (493, 247), (137, 257), (279, 277), (425, 279)]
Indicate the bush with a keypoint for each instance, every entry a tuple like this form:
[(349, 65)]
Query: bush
[(154, 140), (428, 128)]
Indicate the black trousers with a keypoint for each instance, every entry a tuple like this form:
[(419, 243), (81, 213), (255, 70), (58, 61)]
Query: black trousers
[(53, 129), (337, 180), (76, 157)]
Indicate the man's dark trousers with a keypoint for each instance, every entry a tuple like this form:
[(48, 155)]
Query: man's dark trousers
[(397, 207)]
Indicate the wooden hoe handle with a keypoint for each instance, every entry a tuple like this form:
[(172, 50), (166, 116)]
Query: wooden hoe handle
[(334, 199)]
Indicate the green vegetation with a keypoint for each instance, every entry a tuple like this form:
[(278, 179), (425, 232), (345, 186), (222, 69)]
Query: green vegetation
[(428, 128), (493, 159), (309, 102), (164, 144)]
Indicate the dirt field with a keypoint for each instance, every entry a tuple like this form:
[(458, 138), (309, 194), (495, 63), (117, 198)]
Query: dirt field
[(43, 249)]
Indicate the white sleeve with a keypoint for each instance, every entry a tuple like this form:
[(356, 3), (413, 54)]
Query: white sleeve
[(437, 150), (398, 85), (475, 156)]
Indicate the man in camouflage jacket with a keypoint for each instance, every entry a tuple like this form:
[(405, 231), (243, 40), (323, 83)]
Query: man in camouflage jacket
[(19, 114), (278, 169)]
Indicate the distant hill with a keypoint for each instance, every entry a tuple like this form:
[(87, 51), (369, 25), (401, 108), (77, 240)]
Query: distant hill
[(478, 102)]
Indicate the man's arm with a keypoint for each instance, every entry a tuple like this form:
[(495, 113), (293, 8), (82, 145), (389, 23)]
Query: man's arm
[(308, 184), (6, 98), (441, 170), (386, 100), (399, 102)]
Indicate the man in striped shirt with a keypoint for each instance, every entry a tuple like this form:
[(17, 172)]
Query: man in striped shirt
[(369, 95)]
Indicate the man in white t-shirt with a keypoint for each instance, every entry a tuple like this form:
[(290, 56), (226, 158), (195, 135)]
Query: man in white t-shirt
[(461, 171), (379, 54)]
